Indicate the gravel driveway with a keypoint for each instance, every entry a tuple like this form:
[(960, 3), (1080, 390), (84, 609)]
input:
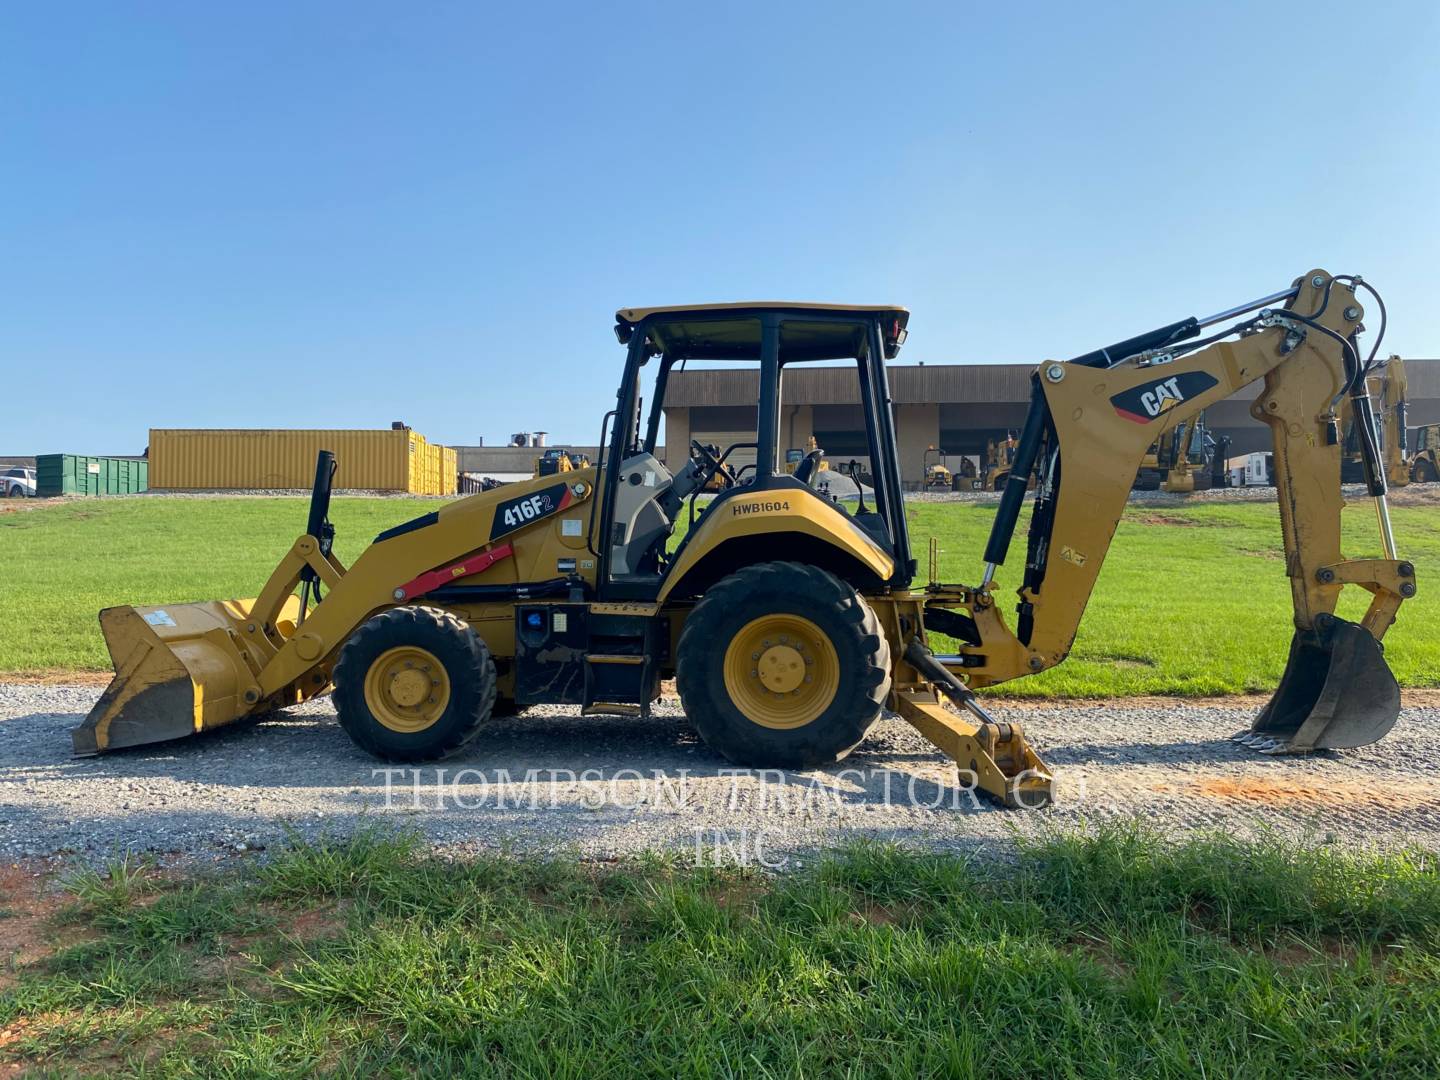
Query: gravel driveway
[(607, 786)]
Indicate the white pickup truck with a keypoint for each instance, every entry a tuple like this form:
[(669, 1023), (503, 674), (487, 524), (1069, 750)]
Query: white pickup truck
[(19, 483)]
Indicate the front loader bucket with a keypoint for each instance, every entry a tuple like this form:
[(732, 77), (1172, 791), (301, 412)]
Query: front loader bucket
[(1337, 692), (179, 669)]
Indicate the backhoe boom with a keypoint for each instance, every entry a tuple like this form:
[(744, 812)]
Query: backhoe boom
[(1090, 424)]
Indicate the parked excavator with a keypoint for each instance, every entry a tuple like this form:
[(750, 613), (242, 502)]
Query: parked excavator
[(789, 621)]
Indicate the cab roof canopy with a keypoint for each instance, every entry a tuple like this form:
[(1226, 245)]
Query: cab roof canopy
[(732, 331)]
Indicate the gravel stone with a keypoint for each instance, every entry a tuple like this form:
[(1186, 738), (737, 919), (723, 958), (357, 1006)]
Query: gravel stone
[(606, 787)]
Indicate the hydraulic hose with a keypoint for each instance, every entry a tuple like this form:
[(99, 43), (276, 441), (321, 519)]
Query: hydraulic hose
[(1038, 419)]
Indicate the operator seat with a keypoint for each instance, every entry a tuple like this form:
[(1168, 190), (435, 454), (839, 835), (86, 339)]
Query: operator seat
[(643, 515), (805, 471)]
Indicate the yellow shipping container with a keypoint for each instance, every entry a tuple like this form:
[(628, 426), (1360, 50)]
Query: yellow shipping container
[(449, 471), (219, 459)]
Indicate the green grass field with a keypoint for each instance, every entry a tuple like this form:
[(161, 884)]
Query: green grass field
[(1191, 601), (1100, 955)]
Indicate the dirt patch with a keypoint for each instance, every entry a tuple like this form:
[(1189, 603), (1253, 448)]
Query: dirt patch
[(1346, 793), (17, 506), (26, 908), (1122, 660), (1164, 519), (878, 915), (738, 895), (313, 925), (1103, 954), (58, 677), (1410, 495)]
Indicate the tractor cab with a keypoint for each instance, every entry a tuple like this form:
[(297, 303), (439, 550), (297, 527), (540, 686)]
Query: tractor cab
[(757, 509)]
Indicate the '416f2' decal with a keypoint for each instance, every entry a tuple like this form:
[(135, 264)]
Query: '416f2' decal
[(523, 509), (1152, 400)]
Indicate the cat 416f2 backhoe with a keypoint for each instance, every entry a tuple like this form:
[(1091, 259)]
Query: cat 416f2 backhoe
[(789, 621)]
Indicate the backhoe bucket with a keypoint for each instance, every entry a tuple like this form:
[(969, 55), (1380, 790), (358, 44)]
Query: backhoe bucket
[(179, 669), (1337, 692)]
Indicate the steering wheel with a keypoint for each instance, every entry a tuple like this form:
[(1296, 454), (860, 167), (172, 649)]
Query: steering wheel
[(710, 464)]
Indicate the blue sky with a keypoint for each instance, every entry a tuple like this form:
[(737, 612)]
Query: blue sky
[(341, 214)]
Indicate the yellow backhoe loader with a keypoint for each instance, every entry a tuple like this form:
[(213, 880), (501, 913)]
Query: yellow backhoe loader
[(1386, 385), (1181, 460), (995, 470), (789, 621), (1425, 463)]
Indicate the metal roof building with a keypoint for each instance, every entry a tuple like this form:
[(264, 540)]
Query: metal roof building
[(955, 407)]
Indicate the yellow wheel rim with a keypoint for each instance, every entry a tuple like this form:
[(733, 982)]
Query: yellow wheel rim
[(781, 671), (407, 689)]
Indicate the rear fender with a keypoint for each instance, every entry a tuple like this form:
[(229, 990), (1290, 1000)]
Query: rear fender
[(784, 524)]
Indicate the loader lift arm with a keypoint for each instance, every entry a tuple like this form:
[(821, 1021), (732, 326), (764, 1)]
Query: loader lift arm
[(1089, 423)]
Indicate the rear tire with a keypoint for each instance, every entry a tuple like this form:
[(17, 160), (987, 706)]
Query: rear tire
[(783, 665), (414, 684)]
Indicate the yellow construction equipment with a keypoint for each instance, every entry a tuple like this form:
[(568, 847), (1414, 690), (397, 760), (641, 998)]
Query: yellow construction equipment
[(1425, 464), (1181, 460), (557, 459), (995, 469), (1387, 386), (789, 621), (937, 472), (796, 458)]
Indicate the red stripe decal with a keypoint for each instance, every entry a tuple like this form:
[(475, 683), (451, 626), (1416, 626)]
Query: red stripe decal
[(474, 564)]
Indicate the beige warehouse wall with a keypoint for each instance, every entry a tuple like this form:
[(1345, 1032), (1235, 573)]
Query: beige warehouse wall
[(677, 438), (917, 428), (797, 425)]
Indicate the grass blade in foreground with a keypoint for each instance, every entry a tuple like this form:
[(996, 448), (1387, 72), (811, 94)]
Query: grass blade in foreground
[(1106, 953)]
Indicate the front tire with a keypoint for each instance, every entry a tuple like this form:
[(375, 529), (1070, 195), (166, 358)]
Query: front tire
[(783, 665), (1425, 473), (414, 684)]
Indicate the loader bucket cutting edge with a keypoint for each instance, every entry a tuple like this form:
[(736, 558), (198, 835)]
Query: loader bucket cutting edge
[(179, 669), (1337, 693)]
